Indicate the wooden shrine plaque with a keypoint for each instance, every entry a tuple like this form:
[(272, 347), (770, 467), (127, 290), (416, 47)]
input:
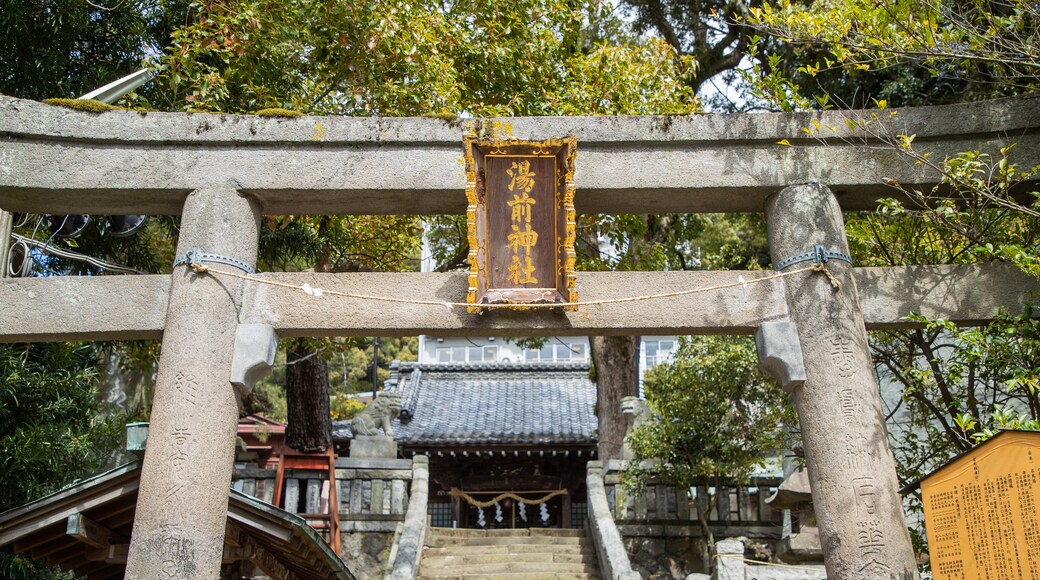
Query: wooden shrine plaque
[(982, 511), (520, 221)]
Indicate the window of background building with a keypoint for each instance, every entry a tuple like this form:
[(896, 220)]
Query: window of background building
[(658, 351), (459, 354), (574, 352), (440, 514)]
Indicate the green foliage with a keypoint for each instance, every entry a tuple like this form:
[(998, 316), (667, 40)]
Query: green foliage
[(985, 218), (69, 47), (407, 57), (672, 242), (49, 431), (715, 416), (708, 31), (960, 386), (909, 52), (976, 49), (340, 243), (268, 398), (17, 567), (350, 371)]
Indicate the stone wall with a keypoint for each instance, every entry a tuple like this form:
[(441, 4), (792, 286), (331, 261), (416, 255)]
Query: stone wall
[(665, 551)]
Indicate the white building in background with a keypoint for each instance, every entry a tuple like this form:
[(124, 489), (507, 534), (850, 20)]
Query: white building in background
[(653, 350)]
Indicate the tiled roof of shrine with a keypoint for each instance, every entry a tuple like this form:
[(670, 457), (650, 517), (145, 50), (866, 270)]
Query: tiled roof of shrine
[(492, 404)]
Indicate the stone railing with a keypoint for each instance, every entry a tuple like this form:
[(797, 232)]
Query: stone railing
[(660, 529), (373, 497), (613, 559), (256, 482), (373, 493), (409, 546), (741, 507)]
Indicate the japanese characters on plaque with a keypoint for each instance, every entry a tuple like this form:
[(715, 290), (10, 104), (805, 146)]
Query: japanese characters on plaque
[(982, 511), (520, 221)]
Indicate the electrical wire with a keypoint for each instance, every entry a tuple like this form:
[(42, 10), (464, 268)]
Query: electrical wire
[(25, 243)]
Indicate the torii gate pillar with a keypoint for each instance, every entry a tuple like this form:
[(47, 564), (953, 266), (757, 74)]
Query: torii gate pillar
[(851, 469), (183, 498)]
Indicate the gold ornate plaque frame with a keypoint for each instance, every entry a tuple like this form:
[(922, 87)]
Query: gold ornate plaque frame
[(520, 265)]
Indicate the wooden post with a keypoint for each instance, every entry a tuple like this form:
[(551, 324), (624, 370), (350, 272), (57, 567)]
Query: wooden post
[(182, 504), (851, 469)]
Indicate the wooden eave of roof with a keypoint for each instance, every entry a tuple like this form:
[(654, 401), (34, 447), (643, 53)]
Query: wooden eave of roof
[(277, 541), (276, 529), (510, 449)]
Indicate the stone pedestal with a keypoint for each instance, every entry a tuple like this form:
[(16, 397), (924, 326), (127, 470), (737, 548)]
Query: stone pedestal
[(183, 499), (729, 565), (851, 470), (373, 446)]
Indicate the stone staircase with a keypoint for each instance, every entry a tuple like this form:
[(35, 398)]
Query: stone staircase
[(520, 554)]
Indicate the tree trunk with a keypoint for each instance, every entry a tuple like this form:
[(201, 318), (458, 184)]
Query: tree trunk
[(703, 512), (307, 400), (616, 359)]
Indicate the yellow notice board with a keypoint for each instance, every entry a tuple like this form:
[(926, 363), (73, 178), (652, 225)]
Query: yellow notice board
[(982, 511)]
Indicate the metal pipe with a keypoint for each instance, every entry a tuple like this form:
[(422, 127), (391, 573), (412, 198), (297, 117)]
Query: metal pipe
[(6, 224), (375, 366)]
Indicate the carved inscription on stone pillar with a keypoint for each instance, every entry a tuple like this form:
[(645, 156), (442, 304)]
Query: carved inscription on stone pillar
[(870, 538), (187, 386), (176, 548), (178, 460), (176, 552), (843, 356)]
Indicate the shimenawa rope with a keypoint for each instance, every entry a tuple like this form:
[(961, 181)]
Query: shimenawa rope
[(456, 492)]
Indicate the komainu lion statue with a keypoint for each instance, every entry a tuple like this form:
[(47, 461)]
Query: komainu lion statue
[(379, 413), (637, 413)]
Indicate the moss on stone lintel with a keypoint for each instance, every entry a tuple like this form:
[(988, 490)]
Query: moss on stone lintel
[(450, 117), (277, 112), (88, 105)]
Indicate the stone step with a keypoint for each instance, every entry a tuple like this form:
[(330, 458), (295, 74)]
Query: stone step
[(451, 559), (508, 554), (470, 533), (462, 549), (508, 568), (513, 576), (442, 541)]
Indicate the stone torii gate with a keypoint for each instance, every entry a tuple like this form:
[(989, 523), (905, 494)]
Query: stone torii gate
[(221, 172)]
